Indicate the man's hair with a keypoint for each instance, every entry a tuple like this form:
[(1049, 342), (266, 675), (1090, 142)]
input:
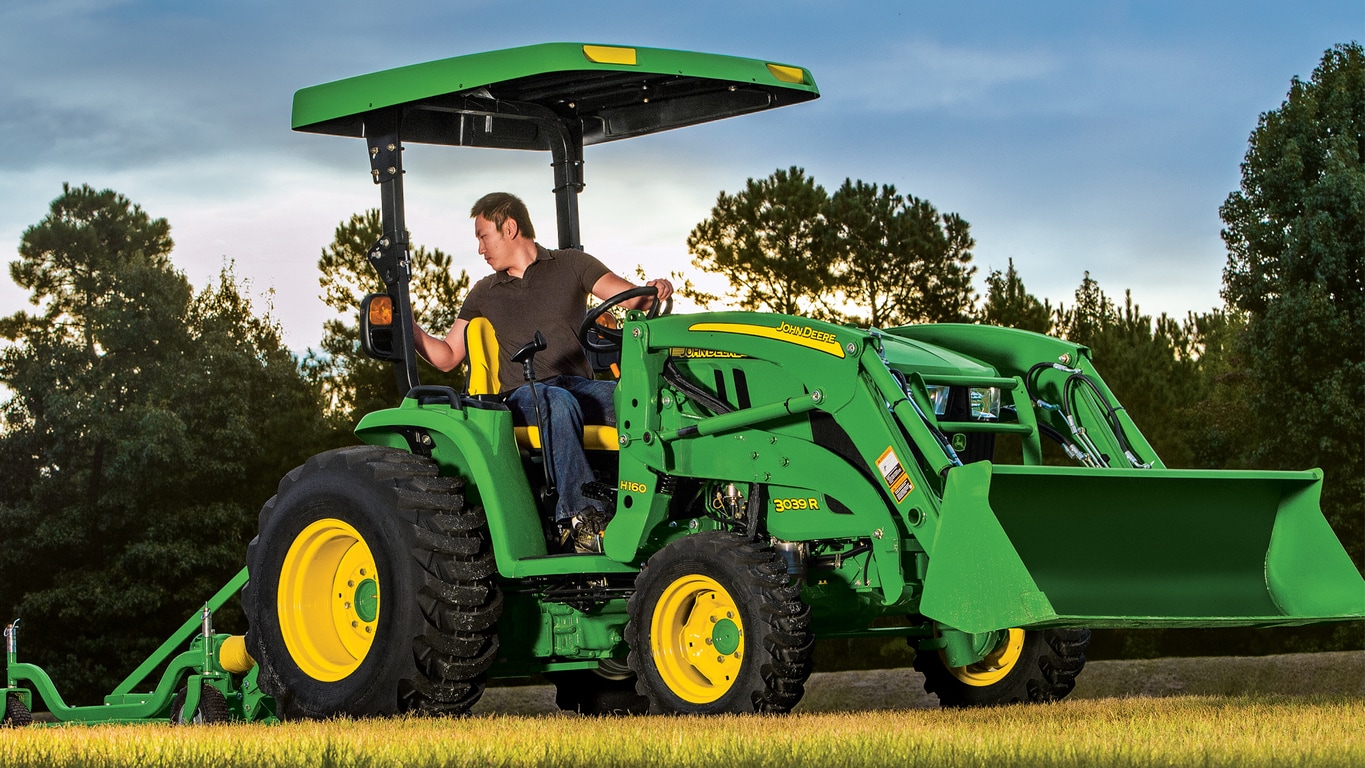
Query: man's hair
[(498, 207)]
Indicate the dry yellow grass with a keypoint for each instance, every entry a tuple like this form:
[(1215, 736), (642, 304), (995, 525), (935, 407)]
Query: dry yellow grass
[(1239, 731)]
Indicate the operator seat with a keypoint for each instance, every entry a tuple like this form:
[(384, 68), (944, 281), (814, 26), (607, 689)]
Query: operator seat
[(481, 347)]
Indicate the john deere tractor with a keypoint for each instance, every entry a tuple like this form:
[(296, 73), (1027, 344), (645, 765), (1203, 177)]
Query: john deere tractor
[(771, 479)]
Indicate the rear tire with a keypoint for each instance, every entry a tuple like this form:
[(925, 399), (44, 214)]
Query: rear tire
[(717, 627), (212, 707), (1031, 666), (372, 589), (17, 714)]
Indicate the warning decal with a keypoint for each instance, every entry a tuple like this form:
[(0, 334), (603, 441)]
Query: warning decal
[(894, 474)]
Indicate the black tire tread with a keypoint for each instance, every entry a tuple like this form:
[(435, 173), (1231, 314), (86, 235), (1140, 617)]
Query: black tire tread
[(459, 599), (588, 693), (778, 625), (1046, 672), (213, 707), (17, 714)]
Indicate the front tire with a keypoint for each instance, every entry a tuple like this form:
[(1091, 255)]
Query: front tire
[(372, 589), (716, 627), (1029, 666)]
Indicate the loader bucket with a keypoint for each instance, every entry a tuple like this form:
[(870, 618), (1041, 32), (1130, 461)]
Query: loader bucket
[(1037, 546)]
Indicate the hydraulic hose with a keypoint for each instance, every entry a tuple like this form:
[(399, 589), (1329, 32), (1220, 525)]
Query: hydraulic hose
[(1111, 413), (1083, 451), (1068, 447), (673, 376)]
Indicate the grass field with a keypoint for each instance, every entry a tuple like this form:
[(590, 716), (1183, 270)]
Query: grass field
[(1112, 728), (1182, 731)]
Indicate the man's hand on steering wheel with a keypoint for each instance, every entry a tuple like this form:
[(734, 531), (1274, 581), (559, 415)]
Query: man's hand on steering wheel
[(665, 289), (602, 339)]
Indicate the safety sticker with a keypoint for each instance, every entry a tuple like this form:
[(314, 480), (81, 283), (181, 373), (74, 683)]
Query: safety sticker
[(894, 474)]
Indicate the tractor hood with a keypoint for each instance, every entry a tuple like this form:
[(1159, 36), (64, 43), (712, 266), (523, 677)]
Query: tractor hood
[(929, 359)]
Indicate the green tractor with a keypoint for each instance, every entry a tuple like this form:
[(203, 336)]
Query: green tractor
[(774, 479)]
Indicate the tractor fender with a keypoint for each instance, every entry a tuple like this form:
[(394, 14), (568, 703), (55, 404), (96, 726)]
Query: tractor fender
[(475, 444)]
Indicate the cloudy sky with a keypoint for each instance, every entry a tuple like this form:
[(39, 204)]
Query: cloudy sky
[(1073, 136)]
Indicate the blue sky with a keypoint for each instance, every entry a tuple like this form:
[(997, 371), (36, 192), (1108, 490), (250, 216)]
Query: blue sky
[(1073, 136)]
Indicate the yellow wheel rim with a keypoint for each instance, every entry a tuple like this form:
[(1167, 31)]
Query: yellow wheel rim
[(328, 600), (697, 639), (996, 665)]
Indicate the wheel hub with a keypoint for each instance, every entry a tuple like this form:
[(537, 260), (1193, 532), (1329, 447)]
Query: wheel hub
[(697, 639), (329, 599), (367, 600), (725, 637), (996, 665)]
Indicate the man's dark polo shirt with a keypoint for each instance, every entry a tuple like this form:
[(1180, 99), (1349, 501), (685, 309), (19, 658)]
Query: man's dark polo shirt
[(551, 296)]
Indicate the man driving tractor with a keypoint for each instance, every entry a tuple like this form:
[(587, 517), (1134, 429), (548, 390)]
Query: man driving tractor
[(535, 289)]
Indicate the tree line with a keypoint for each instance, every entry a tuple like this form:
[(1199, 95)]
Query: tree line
[(144, 422)]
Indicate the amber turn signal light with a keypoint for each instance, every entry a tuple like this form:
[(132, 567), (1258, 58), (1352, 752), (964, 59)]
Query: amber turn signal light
[(381, 311)]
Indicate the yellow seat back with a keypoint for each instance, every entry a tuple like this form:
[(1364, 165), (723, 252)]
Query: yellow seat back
[(481, 348)]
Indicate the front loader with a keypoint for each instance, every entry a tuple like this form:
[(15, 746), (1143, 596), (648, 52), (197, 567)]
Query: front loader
[(771, 479)]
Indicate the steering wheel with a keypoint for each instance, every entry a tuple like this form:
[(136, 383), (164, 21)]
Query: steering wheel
[(602, 339)]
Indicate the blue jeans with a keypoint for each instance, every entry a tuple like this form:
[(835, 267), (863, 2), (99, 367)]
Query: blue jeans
[(568, 402)]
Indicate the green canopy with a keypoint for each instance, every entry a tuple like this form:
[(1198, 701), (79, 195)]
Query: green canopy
[(505, 98)]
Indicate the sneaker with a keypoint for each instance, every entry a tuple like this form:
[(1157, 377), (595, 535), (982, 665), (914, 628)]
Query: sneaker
[(587, 530)]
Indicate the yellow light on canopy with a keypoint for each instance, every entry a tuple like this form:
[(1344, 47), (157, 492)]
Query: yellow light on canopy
[(609, 54), (787, 74)]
